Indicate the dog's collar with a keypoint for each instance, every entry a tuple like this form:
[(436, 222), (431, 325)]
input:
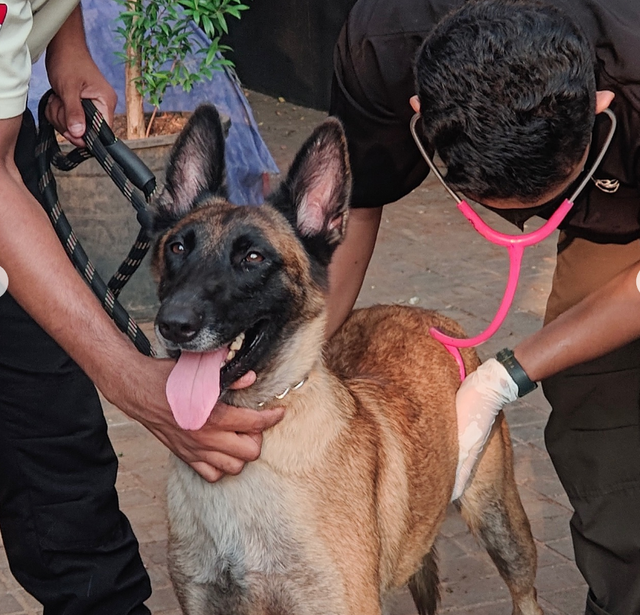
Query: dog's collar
[(286, 391)]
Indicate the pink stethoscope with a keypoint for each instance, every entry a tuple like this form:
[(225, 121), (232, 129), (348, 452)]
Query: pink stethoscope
[(515, 244)]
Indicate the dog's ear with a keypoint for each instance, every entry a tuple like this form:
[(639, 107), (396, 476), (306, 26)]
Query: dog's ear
[(315, 195), (196, 167)]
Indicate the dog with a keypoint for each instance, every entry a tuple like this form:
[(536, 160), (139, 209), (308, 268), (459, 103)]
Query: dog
[(346, 500)]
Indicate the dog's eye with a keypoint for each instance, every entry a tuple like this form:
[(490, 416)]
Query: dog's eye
[(253, 257), (177, 247)]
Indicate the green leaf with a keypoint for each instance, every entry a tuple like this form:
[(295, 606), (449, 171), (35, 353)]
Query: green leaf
[(223, 23), (211, 54)]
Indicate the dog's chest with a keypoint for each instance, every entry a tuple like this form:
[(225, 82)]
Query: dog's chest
[(253, 533)]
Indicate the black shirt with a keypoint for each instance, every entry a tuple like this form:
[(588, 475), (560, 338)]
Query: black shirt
[(373, 81)]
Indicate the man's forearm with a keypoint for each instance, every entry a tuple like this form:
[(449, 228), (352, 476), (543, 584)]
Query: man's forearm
[(43, 280), (605, 320), (69, 41), (349, 265)]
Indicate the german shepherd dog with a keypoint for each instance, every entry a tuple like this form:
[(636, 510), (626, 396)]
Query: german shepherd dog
[(345, 502)]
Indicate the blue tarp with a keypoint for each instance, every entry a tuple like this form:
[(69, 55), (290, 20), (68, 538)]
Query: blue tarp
[(247, 156)]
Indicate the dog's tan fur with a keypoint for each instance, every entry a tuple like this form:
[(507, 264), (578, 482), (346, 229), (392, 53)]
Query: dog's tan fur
[(348, 495)]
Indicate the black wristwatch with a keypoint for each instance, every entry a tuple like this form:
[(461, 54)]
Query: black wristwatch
[(523, 382)]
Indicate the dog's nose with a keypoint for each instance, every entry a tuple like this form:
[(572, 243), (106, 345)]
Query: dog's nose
[(178, 324)]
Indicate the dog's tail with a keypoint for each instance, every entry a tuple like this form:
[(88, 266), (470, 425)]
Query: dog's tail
[(424, 585)]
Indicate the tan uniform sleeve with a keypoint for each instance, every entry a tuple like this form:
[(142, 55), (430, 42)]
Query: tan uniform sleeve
[(15, 59)]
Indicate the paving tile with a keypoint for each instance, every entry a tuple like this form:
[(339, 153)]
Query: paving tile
[(9, 605), (449, 548), (550, 557), (455, 572), (524, 414), (149, 522), (475, 591), (552, 609), (550, 528), (154, 553), (563, 577), (542, 508), (401, 603), (28, 603), (546, 485), (571, 601), (163, 601), (469, 545), (563, 546), (532, 433), (132, 498), (496, 607), (453, 524)]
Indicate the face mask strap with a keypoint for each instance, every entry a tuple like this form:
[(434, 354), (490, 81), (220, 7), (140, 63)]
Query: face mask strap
[(515, 244)]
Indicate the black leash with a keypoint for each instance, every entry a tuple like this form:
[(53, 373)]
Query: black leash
[(131, 176)]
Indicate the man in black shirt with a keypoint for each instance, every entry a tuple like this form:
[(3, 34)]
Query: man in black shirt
[(510, 94)]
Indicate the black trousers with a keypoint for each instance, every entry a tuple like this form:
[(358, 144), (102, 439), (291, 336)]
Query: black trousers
[(593, 438), (67, 542)]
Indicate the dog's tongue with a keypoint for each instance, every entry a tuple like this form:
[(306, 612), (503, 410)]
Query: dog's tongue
[(193, 387)]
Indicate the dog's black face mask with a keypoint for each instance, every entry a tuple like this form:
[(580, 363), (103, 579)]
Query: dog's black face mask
[(234, 282)]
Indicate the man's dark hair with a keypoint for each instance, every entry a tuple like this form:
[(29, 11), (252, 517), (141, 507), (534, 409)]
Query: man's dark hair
[(507, 94)]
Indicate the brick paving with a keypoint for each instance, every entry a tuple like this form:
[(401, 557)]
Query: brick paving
[(426, 255)]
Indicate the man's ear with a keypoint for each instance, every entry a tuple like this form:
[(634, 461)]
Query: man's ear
[(315, 195), (414, 101), (604, 98), (196, 166)]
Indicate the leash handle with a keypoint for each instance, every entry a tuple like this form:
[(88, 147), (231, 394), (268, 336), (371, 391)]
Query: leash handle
[(137, 171), (48, 153), (134, 168)]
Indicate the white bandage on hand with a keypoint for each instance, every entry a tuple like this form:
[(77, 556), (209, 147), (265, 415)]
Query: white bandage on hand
[(480, 398)]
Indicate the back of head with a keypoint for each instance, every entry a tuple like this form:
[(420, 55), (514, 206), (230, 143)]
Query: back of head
[(507, 94)]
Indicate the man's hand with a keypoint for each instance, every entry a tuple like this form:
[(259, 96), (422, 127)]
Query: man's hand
[(228, 440), (479, 400), (73, 76)]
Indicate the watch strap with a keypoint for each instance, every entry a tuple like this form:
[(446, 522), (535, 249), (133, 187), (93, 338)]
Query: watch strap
[(514, 369)]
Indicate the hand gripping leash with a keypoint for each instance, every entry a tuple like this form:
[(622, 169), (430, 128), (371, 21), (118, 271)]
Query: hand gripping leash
[(131, 176)]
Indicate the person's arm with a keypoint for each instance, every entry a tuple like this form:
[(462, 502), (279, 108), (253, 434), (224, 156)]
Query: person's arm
[(43, 281), (349, 265), (606, 320)]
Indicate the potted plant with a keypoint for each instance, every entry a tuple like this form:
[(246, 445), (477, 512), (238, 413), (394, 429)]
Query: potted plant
[(161, 47), (161, 50)]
